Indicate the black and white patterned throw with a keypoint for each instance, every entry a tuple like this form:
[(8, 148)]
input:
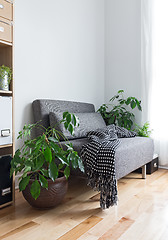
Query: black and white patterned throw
[(99, 160)]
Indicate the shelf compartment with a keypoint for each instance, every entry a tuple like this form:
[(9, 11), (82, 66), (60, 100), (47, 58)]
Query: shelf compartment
[(6, 56), (6, 149)]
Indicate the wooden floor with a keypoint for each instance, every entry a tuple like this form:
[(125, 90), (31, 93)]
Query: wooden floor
[(141, 214)]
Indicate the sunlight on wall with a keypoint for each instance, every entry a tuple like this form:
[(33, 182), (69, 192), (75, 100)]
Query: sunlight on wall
[(159, 108)]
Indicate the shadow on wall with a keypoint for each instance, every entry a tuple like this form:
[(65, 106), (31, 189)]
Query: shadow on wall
[(27, 117)]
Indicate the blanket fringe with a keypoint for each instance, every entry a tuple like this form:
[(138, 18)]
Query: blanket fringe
[(106, 184)]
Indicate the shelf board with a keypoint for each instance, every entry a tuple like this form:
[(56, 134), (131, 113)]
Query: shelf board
[(6, 204), (5, 93), (5, 146), (5, 44)]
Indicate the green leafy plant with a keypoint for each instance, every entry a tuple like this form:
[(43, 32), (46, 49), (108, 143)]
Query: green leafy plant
[(43, 157), (143, 131), (4, 70), (119, 113)]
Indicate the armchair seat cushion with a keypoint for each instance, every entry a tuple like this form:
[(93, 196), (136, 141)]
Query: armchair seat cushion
[(131, 154)]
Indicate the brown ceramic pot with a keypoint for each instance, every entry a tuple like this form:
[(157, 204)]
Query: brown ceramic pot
[(48, 198)]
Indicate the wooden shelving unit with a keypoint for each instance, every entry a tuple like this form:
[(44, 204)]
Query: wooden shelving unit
[(6, 58)]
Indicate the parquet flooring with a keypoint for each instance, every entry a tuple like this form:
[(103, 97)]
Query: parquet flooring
[(141, 214)]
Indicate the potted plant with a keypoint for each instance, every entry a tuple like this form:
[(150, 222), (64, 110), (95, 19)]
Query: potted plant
[(5, 77), (119, 113), (143, 131), (44, 165)]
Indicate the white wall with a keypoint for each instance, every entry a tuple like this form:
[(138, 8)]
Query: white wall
[(123, 48), (81, 50), (59, 53)]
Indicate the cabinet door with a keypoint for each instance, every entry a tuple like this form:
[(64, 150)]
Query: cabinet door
[(6, 9), (5, 180), (5, 120), (5, 30)]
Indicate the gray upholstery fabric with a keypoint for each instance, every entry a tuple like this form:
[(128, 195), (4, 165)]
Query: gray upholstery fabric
[(42, 108), (131, 154), (77, 144), (87, 122)]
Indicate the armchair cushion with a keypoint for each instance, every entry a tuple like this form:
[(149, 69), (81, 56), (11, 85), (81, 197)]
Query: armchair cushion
[(87, 122)]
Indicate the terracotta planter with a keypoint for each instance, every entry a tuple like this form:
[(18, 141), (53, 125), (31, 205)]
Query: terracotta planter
[(48, 198)]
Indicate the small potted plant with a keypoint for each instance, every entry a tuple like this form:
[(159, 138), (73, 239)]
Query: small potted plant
[(5, 77), (44, 165), (143, 131), (117, 112)]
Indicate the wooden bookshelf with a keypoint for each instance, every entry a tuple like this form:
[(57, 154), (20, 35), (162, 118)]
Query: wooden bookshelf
[(6, 58)]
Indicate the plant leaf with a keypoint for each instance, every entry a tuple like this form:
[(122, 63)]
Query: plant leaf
[(127, 102), (70, 128), (67, 172), (139, 107), (44, 172), (26, 170), (35, 189), (53, 171), (65, 114), (111, 120), (74, 120), (81, 167), (133, 104), (11, 171), (17, 158), (62, 158), (68, 118), (60, 166), (69, 146), (73, 159), (23, 183), (120, 91), (66, 125), (48, 154), (52, 139), (39, 162), (43, 181), (55, 147)]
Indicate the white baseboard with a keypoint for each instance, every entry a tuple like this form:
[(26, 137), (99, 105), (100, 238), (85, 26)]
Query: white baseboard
[(163, 167)]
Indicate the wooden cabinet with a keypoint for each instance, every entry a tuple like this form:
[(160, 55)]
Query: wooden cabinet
[(6, 58)]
